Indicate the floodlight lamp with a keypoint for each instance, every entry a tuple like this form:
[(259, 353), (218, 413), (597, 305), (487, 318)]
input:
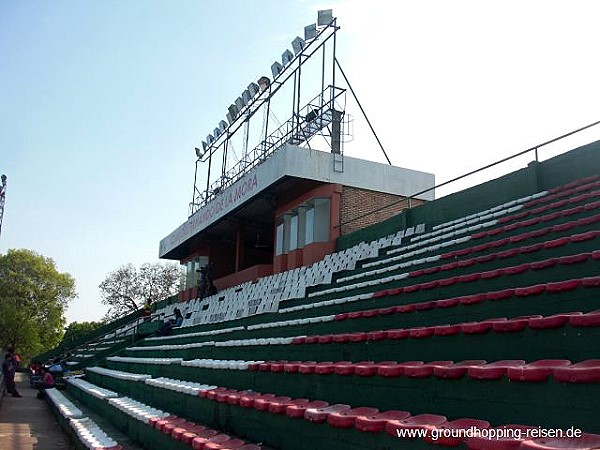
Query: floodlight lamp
[(233, 110), (209, 139), (325, 16), (198, 152), (298, 45), (229, 118), (287, 57), (310, 32), (246, 97), (217, 132), (204, 145), (253, 88), (222, 126), (265, 82), (239, 102), (276, 69)]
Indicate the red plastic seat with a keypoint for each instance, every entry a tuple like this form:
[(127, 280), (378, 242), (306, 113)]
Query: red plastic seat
[(375, 423), (581, 372), (291, 366), (247, 401), (308, 340), (396, 291), (200, 441), (430, 270), (359, 336), (574, 259), (338, 317), (591, 319), (307, 367), (424, 306), (588, 220), (530, 290), (536, 371), (380, 294), (541, 232), (355, 314), (345, 368), (399, 333), (481, 247), (378, 335), (591, 282), (448, 281), (447, 330), (387, 311), (424, 370), (471, 299), (222, 396), (467, 262), (324, 368), (341, 338), (554, 321), (556, 242), (587, 236), (493, 371), (520, 237), (456, 370), (347, 418), (508, 437), (279, 406), (560, 286), (514, 270), (319, 415), (485, 258), (563, 226), (396, 370), (458, 424), (215, 442), (479, 327), (531, 248), (494, 273), (416, 273), (448, 303), (263, 402), (421, 332), (508, 253), (512, 325), (429, 285), (449, 266), (500, 295), (551, 216), (370, 313), (585, 442), (325, 339), (412, 288), (469, 278), (402, 309), (420, 421), (369, 369), (297, 410), (299, 340)]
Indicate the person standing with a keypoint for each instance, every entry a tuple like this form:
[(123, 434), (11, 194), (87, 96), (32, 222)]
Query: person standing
[(9, 367)]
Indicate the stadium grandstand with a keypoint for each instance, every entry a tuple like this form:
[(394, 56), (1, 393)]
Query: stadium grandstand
[(354, 310)]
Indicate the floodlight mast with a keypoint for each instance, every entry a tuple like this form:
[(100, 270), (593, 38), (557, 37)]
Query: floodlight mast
[(250, 102)]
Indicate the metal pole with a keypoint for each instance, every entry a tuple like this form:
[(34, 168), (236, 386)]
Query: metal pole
[(363, 112)]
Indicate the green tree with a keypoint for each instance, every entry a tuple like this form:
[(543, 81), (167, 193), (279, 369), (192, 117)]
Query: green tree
[(33, 298), (126, 289), (75, 330)]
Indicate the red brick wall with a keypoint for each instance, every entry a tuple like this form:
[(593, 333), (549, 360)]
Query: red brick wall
[(355, 202)]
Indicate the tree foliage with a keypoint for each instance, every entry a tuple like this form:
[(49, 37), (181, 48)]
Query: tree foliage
[(77, 329), (126, 289), (33, 298)]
